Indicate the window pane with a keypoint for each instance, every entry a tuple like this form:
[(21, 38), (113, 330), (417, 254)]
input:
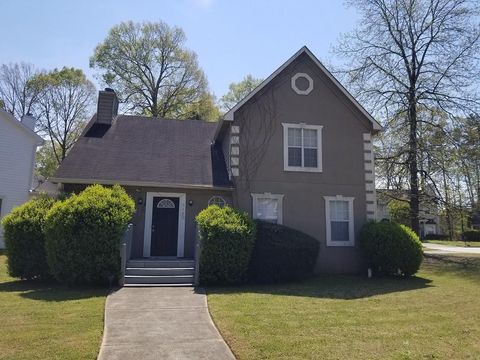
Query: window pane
[(294, 137), (267, 209), (339, 230), (339, 210), (217, 200), (310, 158), (310, 138), (294, 156)]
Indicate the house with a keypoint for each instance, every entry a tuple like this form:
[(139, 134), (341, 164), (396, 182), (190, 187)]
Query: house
[(43, 186), (429, 217), (296, 151), (18, 144)]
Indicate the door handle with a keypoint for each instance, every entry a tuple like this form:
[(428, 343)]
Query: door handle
[(153, 228)]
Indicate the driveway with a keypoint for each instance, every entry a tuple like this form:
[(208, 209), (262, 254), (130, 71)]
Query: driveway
[(445, 249), (160, 323)]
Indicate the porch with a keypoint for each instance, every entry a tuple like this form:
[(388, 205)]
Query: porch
[(157, 270)]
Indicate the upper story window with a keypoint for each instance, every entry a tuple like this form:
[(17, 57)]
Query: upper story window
[(339, 220), (217, 200), (268, 207), (302, 147)]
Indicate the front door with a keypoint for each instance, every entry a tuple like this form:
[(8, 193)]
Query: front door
[(164, 226)]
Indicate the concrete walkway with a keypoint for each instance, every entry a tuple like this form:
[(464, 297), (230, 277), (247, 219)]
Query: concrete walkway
[(160, 323), (445, 249)]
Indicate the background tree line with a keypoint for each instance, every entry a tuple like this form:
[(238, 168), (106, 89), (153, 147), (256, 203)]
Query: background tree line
[(415, 65), (147, 64)]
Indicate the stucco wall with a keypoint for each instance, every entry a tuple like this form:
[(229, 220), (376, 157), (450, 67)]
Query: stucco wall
[(261, 140), (199, 197), (17, 152)]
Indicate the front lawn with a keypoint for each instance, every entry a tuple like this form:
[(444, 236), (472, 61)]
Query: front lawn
[(48, 321), (454, 243), (432, 316)]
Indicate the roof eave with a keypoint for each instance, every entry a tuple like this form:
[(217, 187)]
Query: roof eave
[(137, 183)]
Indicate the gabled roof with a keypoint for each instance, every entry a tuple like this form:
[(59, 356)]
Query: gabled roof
[(11, 119), (145, 151), (304, 50)]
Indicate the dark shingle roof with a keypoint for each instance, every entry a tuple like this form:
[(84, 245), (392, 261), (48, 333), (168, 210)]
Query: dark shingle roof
[(147, 150)]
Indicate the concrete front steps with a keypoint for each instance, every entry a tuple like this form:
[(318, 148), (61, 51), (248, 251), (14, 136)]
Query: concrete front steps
[(160, 272)]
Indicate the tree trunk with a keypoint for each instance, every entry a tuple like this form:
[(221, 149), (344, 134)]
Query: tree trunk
[(413, 164), (447, 201)]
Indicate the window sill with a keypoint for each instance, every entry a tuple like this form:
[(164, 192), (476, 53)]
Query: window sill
[(302, 169), (340, 244)]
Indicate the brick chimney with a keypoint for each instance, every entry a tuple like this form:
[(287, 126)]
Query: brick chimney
[(107, 107)]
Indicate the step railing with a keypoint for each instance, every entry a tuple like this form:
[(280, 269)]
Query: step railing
[(198, 250), (125, 250)]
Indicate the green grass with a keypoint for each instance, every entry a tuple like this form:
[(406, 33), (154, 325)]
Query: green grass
[(434, 315), (454, 243), (48, 321)]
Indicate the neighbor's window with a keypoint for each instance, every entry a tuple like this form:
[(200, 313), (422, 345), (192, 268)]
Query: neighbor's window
[(217, 200), (302, 147), (339, 220), (268, 207)]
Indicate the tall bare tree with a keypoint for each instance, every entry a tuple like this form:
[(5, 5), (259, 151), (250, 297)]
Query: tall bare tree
[(17, 94), (149, 66), (65, 102), (411, 53)]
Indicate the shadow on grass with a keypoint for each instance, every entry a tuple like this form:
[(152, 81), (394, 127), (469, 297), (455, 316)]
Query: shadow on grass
[(50, 291), (357, 287), (333, 287), (460, 265)]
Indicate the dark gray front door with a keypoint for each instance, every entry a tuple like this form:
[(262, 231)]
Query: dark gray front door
[(164, 226)]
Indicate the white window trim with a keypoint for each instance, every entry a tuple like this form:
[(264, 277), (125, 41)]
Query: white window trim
[(286, 167), (147, 238), (219, 197), (278, 197), (351, 234)]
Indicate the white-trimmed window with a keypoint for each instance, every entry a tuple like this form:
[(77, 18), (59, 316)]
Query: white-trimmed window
[(302, 147), (217, 200), (268, 207), (339, 220)]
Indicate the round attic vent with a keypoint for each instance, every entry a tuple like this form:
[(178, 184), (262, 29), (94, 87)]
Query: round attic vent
[(302, 83)]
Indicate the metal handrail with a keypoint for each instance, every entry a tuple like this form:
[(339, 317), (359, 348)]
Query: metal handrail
[(198, 250), (125, 251)]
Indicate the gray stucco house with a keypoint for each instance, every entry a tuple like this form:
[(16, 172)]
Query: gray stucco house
[(297, 151)]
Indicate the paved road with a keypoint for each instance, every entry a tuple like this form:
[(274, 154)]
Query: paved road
[(445, 249), (160, 323)]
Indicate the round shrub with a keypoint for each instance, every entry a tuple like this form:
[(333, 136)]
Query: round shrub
[(391, 247), (227, 238), (282, 254), (83, 235), (25, 241)]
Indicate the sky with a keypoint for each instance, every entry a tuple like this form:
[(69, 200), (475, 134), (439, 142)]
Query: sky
[(231, 38)]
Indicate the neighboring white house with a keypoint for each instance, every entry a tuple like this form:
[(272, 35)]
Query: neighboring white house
[(428, 212), (18, 144)]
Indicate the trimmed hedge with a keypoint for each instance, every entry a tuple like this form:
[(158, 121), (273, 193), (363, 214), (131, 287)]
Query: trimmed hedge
[(471, 235), (391, 247), (83, 235), (25, 240), (282, 254), (436, 237), (227, 237)]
